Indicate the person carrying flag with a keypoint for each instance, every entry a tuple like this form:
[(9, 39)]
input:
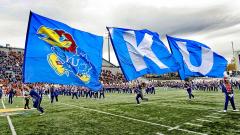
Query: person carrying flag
[(228, 91), (138, 90), (36, 99)]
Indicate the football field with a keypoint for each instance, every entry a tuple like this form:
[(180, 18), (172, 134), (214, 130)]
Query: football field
[(168, 112)]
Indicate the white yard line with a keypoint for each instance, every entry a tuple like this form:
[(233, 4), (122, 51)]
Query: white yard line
[(221, 111), (4, 107), (213, 117), (192, 124), (219, 114), (173, 128), (117, 115), (10, 121), (129, 118), (189, 131), (204, 120)]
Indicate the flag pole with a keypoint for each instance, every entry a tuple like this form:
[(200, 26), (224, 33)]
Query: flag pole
[(108, 47), (232, 48)]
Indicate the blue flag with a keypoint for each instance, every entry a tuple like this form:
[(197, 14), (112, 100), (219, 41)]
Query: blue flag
[(56, 53), (141, 52), (196, 59)]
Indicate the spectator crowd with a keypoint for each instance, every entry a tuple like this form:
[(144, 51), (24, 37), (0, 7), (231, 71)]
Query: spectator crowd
[(11, 79)]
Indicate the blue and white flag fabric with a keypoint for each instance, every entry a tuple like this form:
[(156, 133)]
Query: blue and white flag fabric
[(56, 53), (141, 52), (196, 59)]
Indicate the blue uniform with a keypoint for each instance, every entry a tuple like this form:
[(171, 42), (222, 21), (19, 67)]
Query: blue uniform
[(102, 93), (139, 95), (228, 97), (1, 92), (56, 93), (74, 94), (53, 94), (40, 92), (36, 100), (238, 85), (10, 96)]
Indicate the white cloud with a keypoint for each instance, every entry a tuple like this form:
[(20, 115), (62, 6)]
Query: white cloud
[(213, 22)]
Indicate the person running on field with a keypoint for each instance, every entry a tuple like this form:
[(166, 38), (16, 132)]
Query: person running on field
[(36, 99)]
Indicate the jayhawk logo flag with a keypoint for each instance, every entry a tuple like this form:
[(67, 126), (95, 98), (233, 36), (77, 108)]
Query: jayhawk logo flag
[(56, 53)]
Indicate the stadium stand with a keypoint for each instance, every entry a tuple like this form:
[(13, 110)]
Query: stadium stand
[(11, 61)]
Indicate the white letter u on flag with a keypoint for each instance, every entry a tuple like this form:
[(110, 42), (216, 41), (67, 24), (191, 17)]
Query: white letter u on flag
[(207, 59)]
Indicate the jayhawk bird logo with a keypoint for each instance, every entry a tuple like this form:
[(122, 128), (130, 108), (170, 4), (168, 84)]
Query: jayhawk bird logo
[(65, 59)]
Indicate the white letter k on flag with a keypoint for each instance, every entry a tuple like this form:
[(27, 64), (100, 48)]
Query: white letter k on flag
[(137, 52)]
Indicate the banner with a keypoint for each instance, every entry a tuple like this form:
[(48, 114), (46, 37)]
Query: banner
[(56, 53), (141, 52), (196, 59)]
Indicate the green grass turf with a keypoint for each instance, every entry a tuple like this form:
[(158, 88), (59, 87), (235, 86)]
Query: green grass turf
[(166, 107)]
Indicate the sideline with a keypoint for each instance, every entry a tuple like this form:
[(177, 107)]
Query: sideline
[(156, 124), (9, 121)]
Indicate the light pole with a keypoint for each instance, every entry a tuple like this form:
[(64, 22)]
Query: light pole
[(108, 44)]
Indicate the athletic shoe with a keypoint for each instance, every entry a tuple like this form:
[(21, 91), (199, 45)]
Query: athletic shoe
[(236, 110), (224, 110)]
